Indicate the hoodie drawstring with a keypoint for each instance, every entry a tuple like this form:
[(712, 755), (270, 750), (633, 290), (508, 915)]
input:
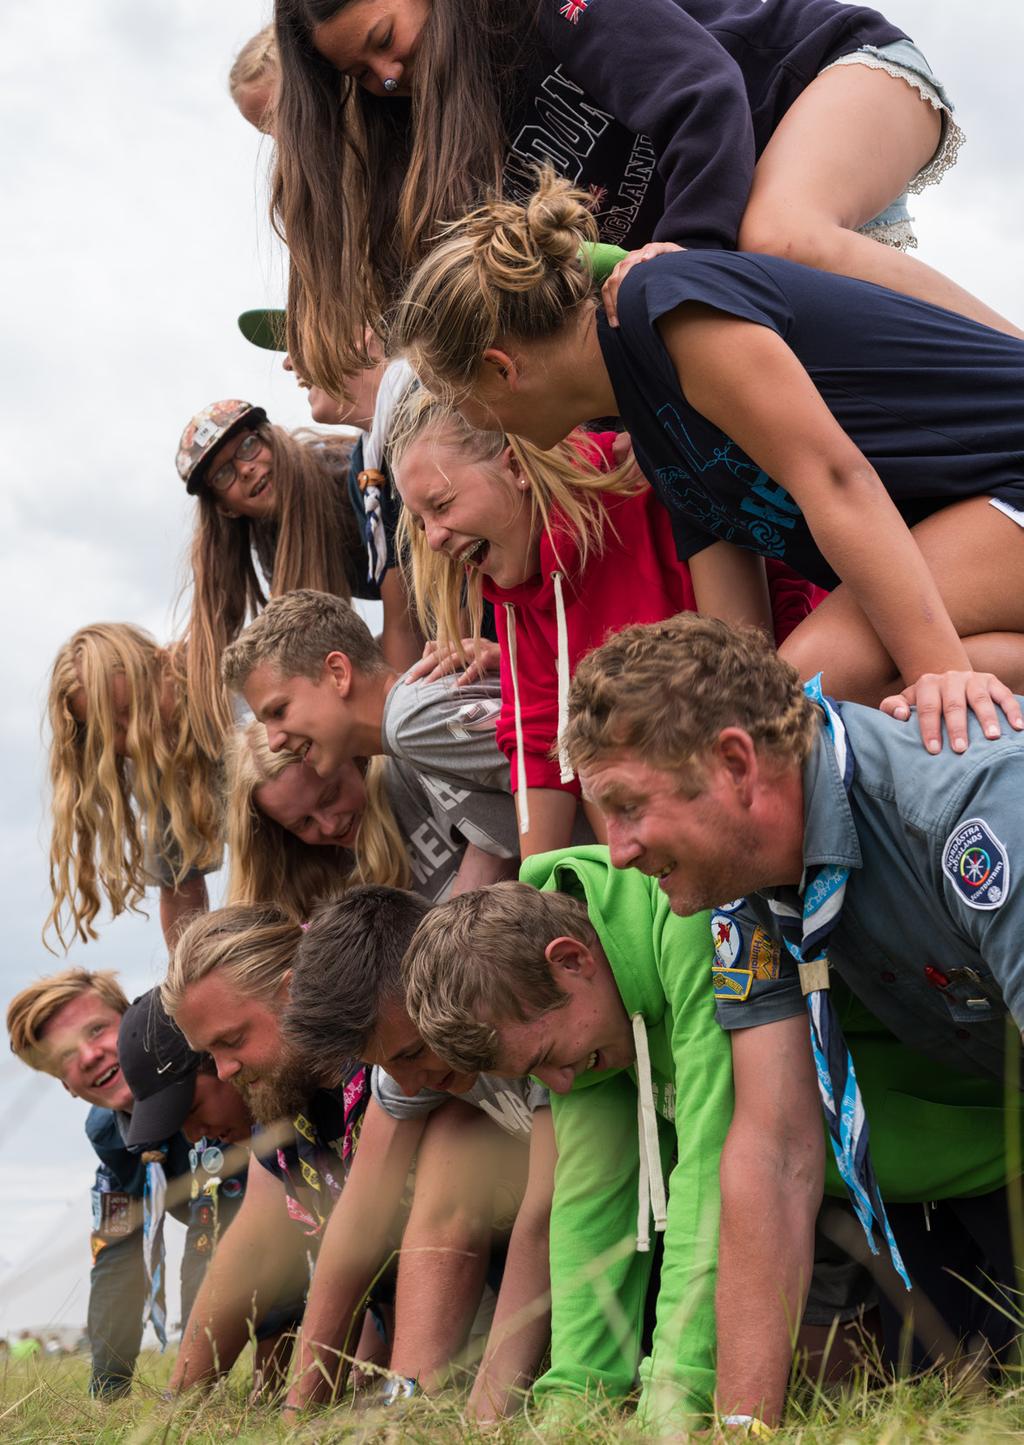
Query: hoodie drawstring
[(522, 803), (652, 1185), (567, 773)]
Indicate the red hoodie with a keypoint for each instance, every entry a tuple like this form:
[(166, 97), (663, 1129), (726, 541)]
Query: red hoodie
[(636, 577)]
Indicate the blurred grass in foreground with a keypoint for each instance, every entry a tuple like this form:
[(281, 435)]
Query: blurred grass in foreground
[(47, 1401)]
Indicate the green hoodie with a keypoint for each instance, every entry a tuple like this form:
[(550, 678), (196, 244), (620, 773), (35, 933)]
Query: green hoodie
[(935, 1133), (599, 1279)]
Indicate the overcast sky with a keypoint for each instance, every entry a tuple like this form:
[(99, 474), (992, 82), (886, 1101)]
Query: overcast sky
[(136, 231)]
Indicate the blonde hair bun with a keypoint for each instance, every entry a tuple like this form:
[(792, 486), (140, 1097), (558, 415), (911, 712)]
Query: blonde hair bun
[(558, 219), (506, 269)]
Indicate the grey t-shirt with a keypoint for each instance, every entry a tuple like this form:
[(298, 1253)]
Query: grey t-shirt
[(446, 735), (509, 1102), (436, 823)]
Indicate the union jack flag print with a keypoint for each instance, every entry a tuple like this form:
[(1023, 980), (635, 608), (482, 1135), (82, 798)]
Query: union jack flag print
[(573, 9)]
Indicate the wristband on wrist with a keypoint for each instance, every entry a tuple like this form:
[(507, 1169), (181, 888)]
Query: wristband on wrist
[(753, 1426)]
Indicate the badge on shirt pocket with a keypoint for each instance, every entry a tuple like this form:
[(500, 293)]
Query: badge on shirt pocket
[(975, 862)]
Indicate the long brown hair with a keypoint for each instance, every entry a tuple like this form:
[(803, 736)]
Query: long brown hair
[(361, 181), (307, 544), (105, 806)]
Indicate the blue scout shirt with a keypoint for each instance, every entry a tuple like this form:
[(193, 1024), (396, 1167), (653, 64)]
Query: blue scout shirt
[(932, 399), (931, 937)]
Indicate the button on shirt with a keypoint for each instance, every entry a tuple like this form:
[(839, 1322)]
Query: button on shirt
[(932, 930)]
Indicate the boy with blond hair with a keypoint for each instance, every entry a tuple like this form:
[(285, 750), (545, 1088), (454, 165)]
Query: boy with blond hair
[(314, 675), (67, 1026)]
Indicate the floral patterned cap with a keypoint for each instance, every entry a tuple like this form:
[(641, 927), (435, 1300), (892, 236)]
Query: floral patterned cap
[(207, 429)]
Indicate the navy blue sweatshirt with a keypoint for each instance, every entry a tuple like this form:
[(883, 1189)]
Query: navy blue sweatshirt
[(662, 107)]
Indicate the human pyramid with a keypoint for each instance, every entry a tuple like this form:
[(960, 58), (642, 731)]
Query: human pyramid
[(630, 927)]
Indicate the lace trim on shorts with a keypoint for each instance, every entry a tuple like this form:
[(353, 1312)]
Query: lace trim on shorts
[(897, 234), (952, 138)]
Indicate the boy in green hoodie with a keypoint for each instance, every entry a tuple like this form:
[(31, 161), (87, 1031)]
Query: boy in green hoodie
[(595, 987)]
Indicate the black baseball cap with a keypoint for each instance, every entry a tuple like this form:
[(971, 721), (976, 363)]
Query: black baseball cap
[(160, 1069)]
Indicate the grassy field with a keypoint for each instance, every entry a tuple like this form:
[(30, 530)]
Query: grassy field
[(48, 1402)]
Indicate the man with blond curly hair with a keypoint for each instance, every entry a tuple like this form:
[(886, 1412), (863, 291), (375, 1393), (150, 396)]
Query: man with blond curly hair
[(831, 848)]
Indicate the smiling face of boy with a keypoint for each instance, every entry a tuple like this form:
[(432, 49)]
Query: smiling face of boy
[(311, 717), (591, 1030), (78, 1045)]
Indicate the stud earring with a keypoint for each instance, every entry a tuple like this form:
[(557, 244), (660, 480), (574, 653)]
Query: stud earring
[(390, 85)]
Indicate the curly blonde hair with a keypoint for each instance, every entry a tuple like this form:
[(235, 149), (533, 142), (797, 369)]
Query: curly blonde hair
[(563, 480), (269, 864), (502, 270), (256, 64), (256, 59), (665, 690), (165, 791)]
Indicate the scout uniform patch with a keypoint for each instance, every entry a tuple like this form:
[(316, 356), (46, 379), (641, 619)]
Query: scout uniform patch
[(734, 970), (975, 861), (731, 979)]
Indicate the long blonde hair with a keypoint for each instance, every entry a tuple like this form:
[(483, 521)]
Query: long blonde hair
[(563, 480), (269, 864), (307, 544), (166, 792), (503, 270)]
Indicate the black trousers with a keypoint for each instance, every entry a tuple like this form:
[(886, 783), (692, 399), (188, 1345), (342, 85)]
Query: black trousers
[(959, 1256)]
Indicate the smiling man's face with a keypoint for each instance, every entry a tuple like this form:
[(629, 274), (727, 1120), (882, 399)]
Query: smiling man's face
[(699, 846), (78, 1046)]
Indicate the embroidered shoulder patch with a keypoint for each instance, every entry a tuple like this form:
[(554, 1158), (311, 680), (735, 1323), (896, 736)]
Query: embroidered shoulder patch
[(572, 10), (731, 978), (765, 955), (975, 862)]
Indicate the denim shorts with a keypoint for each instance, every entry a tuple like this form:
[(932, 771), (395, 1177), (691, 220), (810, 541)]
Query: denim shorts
[(902, 59)]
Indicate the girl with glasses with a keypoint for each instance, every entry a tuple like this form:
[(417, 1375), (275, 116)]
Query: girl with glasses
[(274, 513)]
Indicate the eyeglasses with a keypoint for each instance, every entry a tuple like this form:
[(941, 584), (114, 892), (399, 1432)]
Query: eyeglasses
[(224, 476)]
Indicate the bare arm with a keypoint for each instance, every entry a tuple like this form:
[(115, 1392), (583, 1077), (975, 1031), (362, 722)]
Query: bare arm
[(251, 1267), (522, 1318), (178, 905), (401, 640), (730, 583), (552, 814), (478, 869), (772, 1174), (735, 372), (354, 1246)]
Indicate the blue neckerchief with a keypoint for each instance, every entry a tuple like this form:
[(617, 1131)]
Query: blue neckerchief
[(153, 1212), (805, 933)]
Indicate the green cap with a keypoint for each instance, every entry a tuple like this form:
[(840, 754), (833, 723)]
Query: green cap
[(602, 259), (267, 328)]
